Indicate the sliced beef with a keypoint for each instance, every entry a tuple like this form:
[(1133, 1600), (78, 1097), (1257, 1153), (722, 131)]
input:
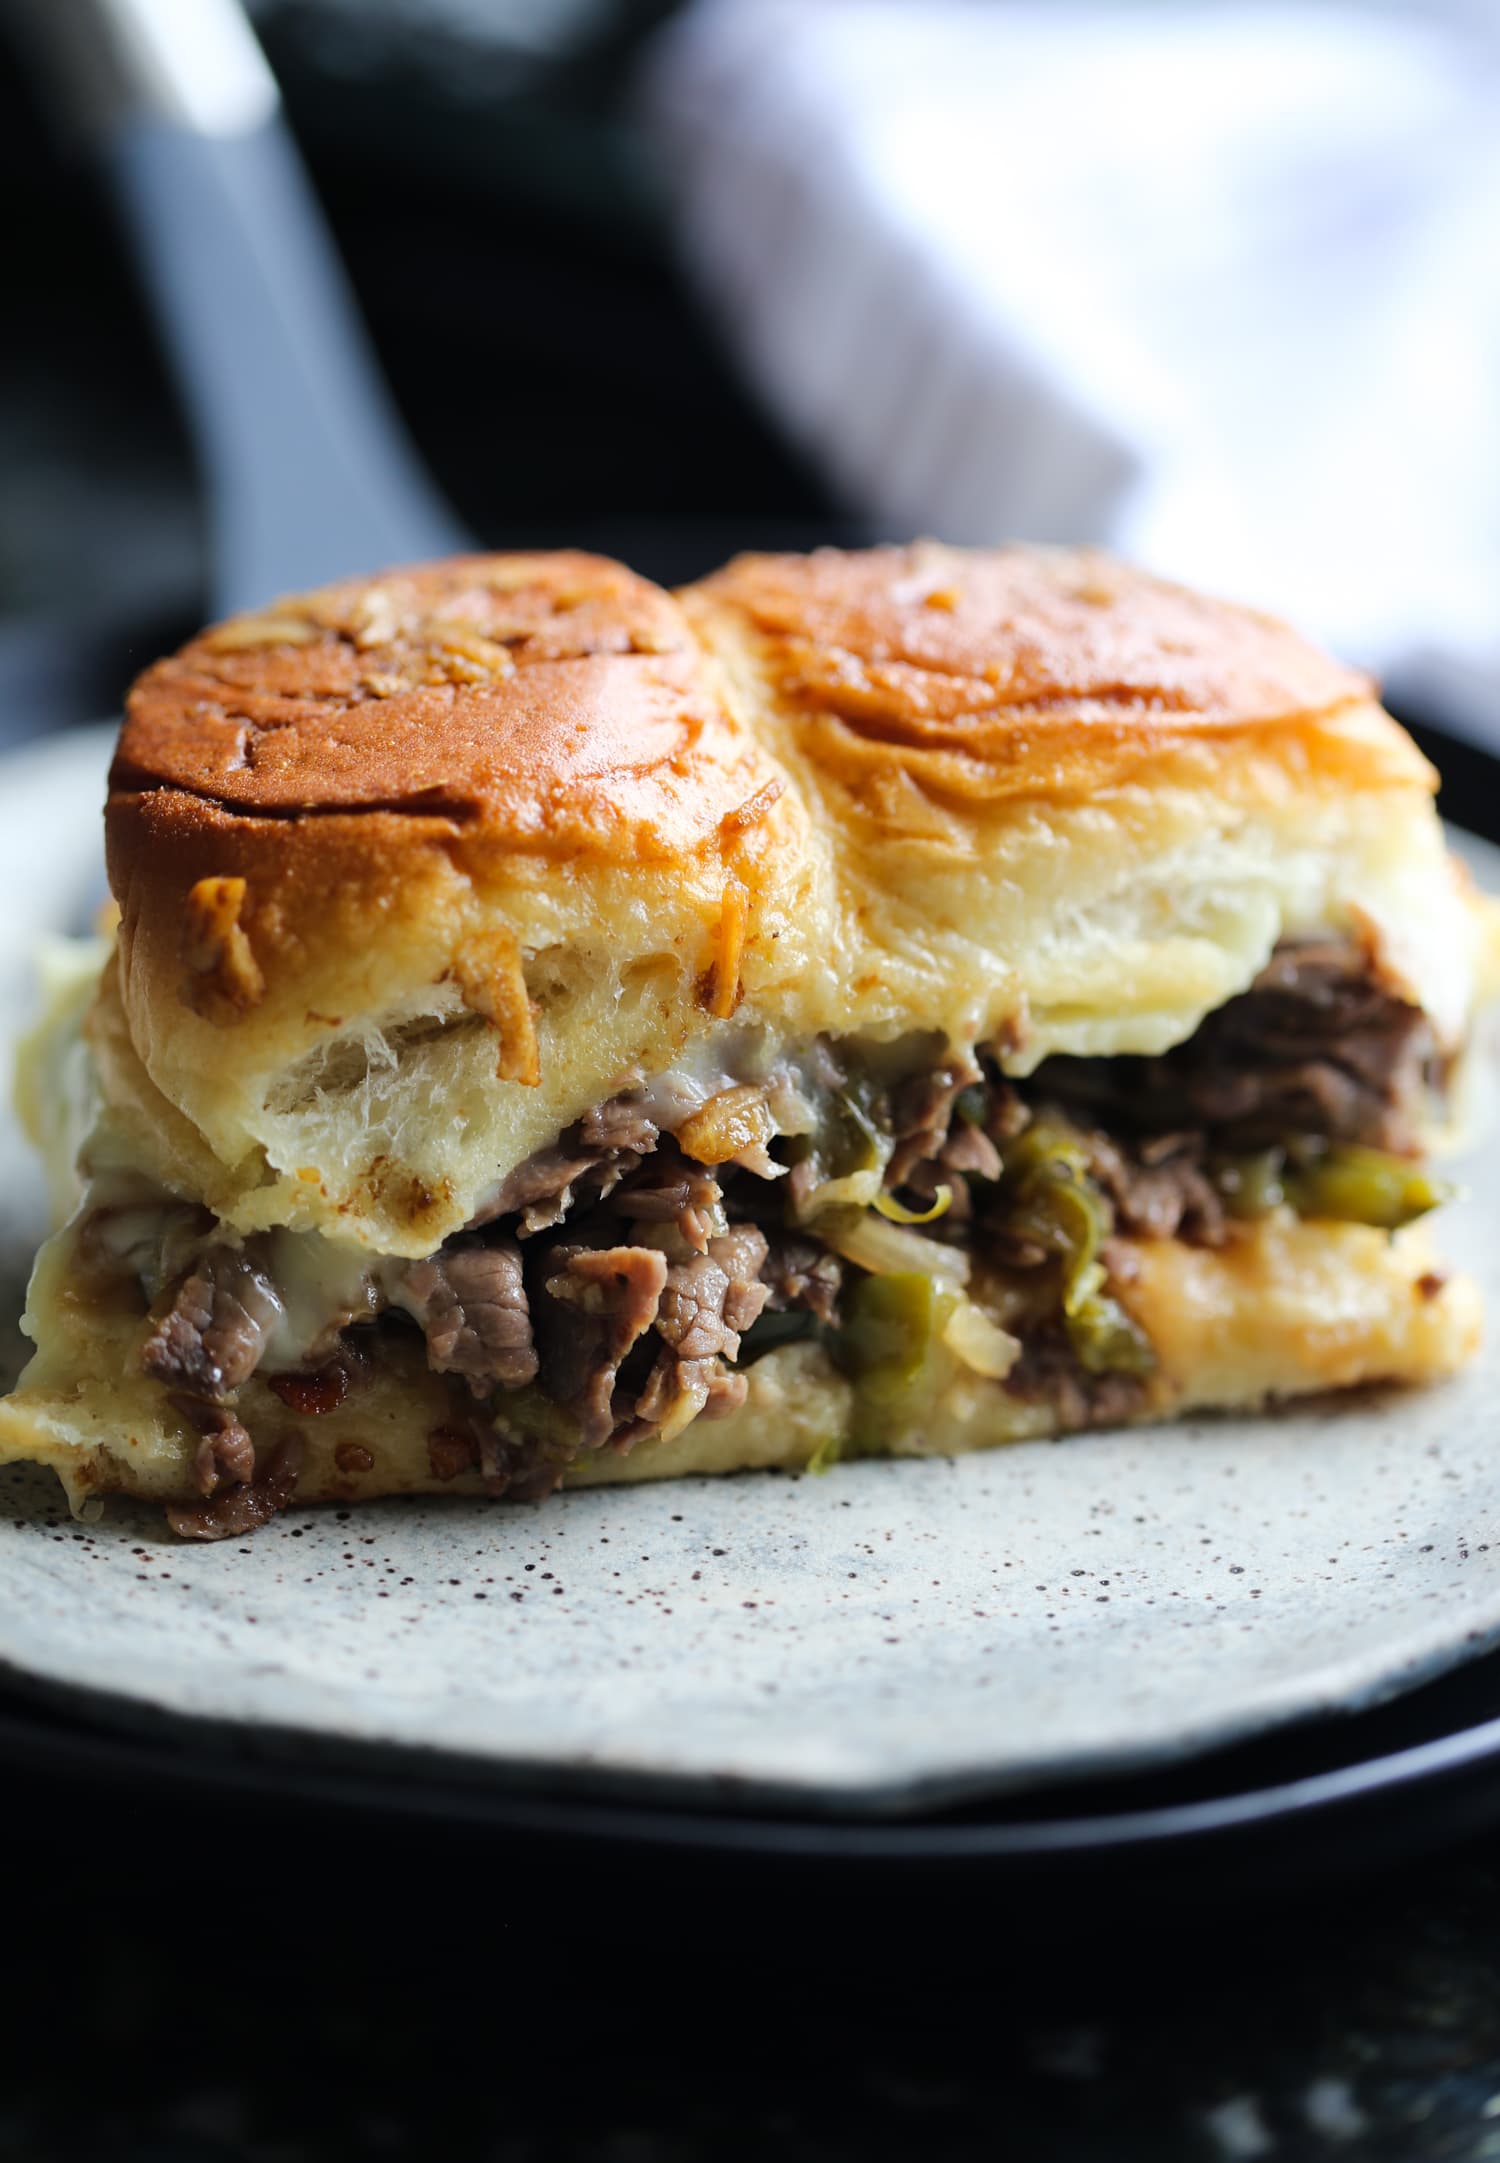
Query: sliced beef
[(921, 1114), (225, 1457), (588, 1160), (800, 1273), (471, 1305), (727, 1391), (802, 1183), (615, 1142), (621, 1123), (1007, 1114), (1048, 1372), (1159, 1189), (540, 1190), (709, 1300), (670, 1190), (936, 1146), (600, 1301), (1317, 1045), (633, 1319), (211, 1338), (244, 1507), (741, 1253), (968, 1152), (653, 1407), (705, 1306)]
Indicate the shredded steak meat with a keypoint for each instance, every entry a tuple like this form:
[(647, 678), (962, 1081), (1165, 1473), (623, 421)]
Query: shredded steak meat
[(600, 1301), (691, 1317), (592, 1156), (741, 1253), (1047, 1372), (726, 1393), (540, 1189), (1316, 1046), (800, 1273), (1159, 1189), (472, 1308), (705, 1305), (211, 1338), (670, 1190), (633, 1319), (922, 1114), (620, 1123), (968, 1152), (241, 1509), (226, 1455)]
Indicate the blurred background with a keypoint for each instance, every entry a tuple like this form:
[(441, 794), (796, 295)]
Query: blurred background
[(1217, 283), (1211, 282), (491, 188)]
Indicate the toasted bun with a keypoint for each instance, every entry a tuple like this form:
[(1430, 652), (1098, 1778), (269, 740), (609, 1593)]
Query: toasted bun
[(415, 869), (411, 869)]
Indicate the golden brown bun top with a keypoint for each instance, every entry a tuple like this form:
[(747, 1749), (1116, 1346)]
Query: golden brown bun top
[(414, 869), (557, 700), (972, 668)]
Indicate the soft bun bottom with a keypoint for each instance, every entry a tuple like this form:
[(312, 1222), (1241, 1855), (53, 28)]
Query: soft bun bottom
[(1292, 1307)]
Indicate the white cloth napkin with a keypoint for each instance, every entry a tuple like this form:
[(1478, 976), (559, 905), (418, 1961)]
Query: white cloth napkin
[(1218, 285)]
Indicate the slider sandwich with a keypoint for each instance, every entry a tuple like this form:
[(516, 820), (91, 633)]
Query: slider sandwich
[(882, 1003)]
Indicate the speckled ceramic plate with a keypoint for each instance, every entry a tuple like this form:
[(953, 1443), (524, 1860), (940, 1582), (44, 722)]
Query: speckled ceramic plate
[(883, 1637)]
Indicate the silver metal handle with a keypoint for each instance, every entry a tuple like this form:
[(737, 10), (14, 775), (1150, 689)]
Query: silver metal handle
[(188, 64), (310, 473)]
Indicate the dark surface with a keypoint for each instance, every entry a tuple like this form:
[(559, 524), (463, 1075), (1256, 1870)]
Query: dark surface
[(210, 1984), (202, 1970), (251, 1979), (1306, 1806)]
